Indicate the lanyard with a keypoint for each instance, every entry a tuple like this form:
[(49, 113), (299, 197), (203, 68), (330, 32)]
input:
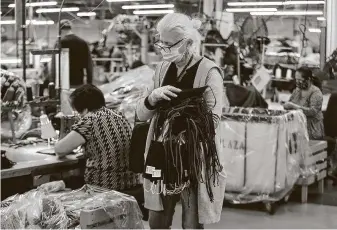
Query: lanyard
[(184, 70)]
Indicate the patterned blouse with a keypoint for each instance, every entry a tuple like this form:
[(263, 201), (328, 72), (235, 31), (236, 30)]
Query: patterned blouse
[(311, 105), (107, 134)]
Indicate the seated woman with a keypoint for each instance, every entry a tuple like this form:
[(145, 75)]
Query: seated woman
[(105, 136), (308, 97)]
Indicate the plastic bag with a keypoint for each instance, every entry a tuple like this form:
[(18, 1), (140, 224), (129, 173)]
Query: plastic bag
[(33, 210), (122, 209), (54, 186), (262, 153), (123, 93)]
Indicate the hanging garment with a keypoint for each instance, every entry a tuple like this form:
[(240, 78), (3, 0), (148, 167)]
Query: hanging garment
[(176, 159), (137, 147)]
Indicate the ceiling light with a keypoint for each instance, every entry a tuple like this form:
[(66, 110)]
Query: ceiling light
[(127, 0), (36, 22), (154, 12), (275, 3), (304, 2), (255, 3), (154, 6), (86, 14), (321, 18), (237, 10), (34, 4), (45, 60), (56, 10), (287, 13), (314, 30), (33, 22), (7, 22), (10, 61)]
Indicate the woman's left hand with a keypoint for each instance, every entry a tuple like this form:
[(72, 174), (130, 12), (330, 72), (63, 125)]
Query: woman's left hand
[(290, 106)]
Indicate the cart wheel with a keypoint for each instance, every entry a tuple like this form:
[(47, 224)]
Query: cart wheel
[(270, 208)]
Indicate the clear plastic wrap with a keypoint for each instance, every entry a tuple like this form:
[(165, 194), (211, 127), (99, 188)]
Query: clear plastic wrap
[(52, 207), (128, 107), (66, 107), (22, 123), (122, 211), (15, 102), (104, 207), (263, 151), (123, 93), (33, 210), (141, 76), (54, 186)]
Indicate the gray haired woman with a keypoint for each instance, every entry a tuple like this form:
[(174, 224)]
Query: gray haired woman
[(183, 68)]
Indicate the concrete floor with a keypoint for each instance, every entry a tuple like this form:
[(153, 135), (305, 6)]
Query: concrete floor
[(289, 216)]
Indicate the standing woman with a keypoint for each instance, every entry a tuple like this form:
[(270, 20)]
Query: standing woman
[(183, 68), (308, 97)]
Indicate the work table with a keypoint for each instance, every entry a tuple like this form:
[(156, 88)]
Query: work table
[(33, 163), (35, 167)]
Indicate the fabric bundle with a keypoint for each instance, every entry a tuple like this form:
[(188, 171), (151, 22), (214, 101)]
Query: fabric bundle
[(184, 146)]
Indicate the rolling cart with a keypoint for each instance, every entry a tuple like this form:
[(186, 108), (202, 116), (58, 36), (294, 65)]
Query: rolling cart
[(262, 150)]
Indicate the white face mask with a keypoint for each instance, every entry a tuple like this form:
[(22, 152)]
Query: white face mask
[(174, 55)]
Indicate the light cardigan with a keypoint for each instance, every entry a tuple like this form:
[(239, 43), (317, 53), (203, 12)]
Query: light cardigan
[(207, 74)]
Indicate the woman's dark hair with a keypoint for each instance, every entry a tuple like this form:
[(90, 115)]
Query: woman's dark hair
[(87, 97), (308, 75)]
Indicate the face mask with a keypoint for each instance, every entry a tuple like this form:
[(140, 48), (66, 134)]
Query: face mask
[(174, 55), (302, 84)]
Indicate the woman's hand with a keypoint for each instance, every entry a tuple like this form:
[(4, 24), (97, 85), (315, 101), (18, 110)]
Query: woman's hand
[(163, 93), (290, 106)]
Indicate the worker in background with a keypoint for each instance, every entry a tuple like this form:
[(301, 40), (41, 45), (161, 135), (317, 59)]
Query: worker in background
[(80, 62), (308, 97)]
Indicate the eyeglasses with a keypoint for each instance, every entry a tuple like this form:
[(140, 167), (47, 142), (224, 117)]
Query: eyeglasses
[(167, 49)]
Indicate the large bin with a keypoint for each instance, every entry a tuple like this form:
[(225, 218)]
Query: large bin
[(262, 150)]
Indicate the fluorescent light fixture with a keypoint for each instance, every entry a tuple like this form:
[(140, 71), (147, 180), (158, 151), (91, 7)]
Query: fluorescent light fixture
[(287, 13), (154, 6), (36, 22), (45, 60), (152, 12), (56, 10), (321, 18), (34, 4), (10, 61), (241, 10), (275, 3), (86, 14), (127, 1), (304, 2), (314, 30), (283, 54), (7, 22), (255, 3), (33, 22)]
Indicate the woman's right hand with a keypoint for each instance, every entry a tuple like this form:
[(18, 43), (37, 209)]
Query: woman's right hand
[(163, 93)]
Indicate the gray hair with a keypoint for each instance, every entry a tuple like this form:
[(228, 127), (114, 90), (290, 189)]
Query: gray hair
[(184, 25)]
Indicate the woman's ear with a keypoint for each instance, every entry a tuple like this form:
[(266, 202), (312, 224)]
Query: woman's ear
[(189, 43)]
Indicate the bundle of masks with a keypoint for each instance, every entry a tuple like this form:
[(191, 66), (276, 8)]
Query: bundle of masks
[(183, 152)]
